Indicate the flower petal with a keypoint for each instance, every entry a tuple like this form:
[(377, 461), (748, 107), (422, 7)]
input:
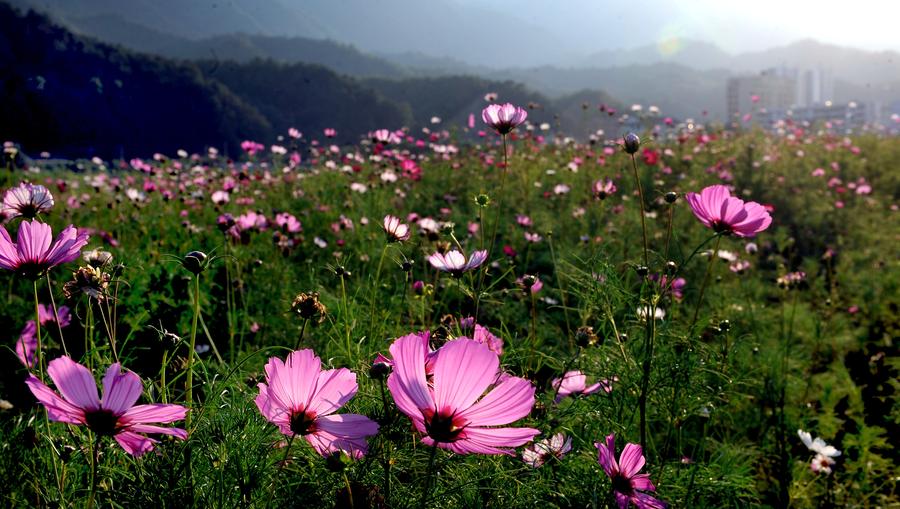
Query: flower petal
[(509, 401), (121, 389), (75, 382), (463, 370)]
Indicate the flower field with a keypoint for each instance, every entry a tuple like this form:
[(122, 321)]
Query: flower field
[(483, 316)]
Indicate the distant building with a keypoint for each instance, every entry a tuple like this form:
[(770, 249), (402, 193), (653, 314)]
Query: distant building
[(773, 90)]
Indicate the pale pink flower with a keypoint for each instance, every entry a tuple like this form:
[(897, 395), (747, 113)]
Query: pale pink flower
[(114, 415), (503, 118), (538, 453), (395, 229), (453, 411), (456, 262), (27, 200), (301, 399), (574, 383)]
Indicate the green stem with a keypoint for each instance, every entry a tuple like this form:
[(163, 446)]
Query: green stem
[(429, 477), (302, 330), (95, 459), (712, 258), (649, 340), (38, 354), (189, 384), (637, 181), (375, 290), (500, 197), (56, 316)]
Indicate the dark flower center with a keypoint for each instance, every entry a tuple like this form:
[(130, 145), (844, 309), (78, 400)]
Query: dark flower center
[(28, 210), (622, 484), (722, 227), (32, 269), (443, 426), (101, 422), (303, 423)]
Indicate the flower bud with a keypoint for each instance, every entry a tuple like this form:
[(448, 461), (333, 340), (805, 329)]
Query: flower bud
[(632, 143), (194, 262), (671, 196)]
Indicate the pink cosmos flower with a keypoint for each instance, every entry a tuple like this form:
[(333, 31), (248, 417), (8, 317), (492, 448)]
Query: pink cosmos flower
[(395, 229), (452, 411), (537, 454), (27, 343), (626, 481), (503, 118), (574, 383), (456, 263), (36, 252), (27, 200), (717, 209), (603, 188), (301, 399), (483, 335), (114, 415), (288, 223)]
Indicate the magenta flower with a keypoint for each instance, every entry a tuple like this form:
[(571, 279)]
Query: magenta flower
[(503, 118), (452, 411), (574, 383), (717, 209), (115, 415), (27, 200), (538, 453), (626, 481), (36, 252), (301, 399), (481, 334), (395, 229), (456, 263), (27, 344)]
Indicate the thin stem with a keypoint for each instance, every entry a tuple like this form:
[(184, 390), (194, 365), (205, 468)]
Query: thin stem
[(189, 383), (349, 489), (302, 330), (637, 181), (287, 450), (38, 354), (562, 288), (95, 459), (669, 230), (56, 316), (109, 333), (429, 476), (712, 258), (649, 341), (375, 289), (500, 197)]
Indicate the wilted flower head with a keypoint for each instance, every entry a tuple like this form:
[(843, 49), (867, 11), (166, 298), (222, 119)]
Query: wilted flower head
[(503, 118), (114, 415), (97, 257), (35, 251), (301, 399), (791, 279), (538, 453), (91, 281), (456, 263), (307, 305), (717, 209), (27, 200), (395, 229)]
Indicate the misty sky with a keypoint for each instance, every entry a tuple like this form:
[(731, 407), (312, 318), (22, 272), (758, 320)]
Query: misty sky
[(734, 25)]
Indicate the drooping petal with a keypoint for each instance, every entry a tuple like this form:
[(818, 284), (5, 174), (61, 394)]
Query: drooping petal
[(58, 409), (492, 440), (135, 444), (509, 401), (155, 412), (342, 432), (334, 388), (121, 389), (463, 370), (149, 428), (75, 382)]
